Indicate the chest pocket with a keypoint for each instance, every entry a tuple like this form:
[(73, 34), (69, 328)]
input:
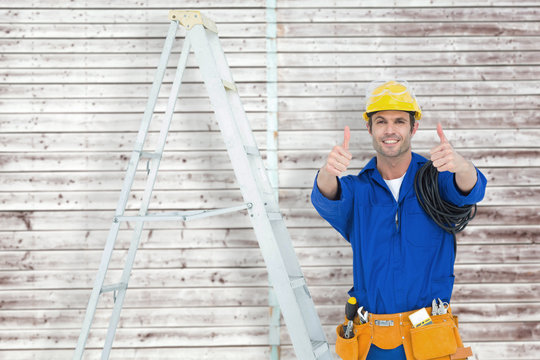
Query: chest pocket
[(418, 228)]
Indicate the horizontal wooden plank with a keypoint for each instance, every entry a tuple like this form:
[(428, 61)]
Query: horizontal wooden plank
[(195, 336), (137, 106), (141, 15), (81, 4), (314, 159), (207, 179), (297, 59), (142, 59), (284, 45), (413, 3), (233, 238), (125, 30), (382, 15), (451, 119), (118, 122), (500, 263), (307, 89), (524, 350), (206, 199), (427, 103), (99, 220), (162, 297), (218, 160), (454, 28), (401, 44), (125, 46), (111, 91), (462, 72), (233, 316), (231, 277), (288, 140), (129, 4), (429, 72), (120, 75), (322, 120), (112, 60)]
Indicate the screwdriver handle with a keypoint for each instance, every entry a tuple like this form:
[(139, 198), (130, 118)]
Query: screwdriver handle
[(351, 308)]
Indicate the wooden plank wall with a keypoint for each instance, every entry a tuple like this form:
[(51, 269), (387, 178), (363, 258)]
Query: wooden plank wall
[(75, 78)]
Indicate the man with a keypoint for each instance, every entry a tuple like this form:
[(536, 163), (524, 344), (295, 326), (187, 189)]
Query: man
[(401, 259)]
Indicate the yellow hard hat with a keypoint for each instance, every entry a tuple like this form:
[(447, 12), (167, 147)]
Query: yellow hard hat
[(391, 95)]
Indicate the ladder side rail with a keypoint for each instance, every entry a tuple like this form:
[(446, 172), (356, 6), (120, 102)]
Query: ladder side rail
[(269, 249), (126, 273), (126, 188), (280, 230)]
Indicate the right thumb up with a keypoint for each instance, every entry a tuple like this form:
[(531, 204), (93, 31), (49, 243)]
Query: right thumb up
[(339, 158)]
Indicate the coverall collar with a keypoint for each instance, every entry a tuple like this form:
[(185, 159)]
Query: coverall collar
[(407, 185)]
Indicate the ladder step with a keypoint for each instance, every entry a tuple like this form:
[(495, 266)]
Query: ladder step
[(182, 215), (297, 281), (150, 155), (319, 348), (113, 287)]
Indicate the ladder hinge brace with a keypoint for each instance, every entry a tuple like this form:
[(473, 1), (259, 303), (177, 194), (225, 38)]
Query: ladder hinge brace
[(190, 18)]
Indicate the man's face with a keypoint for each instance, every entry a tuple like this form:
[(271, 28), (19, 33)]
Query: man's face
[(391, 133)]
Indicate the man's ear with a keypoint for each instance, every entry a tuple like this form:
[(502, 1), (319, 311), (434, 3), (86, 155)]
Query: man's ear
[(415, 127), (367, 126)]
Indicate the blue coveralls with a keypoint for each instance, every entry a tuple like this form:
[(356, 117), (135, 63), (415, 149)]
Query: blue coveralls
[(401, 259)]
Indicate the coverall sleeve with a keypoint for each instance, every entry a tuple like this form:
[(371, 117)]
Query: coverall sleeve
[(337, 212), (450, 192)]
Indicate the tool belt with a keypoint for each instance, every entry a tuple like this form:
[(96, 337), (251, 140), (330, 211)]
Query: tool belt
[(437, 341)]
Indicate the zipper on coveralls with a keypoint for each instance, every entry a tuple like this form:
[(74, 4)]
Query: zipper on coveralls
[(397, 218)]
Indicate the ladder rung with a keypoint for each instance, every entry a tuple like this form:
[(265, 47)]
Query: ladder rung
[(150, 155), (319, 348), (297, 281), (182, 215), (113, 287)]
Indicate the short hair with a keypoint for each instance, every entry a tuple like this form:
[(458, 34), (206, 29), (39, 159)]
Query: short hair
[(411, 117)]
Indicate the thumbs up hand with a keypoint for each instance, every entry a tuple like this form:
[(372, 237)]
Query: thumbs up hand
[(339, 158), (445, 158)]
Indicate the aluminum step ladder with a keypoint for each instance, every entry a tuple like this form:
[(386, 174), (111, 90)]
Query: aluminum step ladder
[(284, 271)]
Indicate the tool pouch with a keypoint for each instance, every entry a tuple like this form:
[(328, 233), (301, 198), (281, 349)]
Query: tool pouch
[(434, 341), (357, 347)]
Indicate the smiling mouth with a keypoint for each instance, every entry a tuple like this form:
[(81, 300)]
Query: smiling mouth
[(390, 141)]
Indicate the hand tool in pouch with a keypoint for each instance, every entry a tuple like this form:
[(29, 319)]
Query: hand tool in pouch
[(350, 311)]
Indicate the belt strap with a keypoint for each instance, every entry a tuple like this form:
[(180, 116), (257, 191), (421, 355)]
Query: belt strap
[(461, 353)]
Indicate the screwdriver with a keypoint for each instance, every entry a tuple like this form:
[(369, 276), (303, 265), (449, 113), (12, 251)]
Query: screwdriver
[(350, 311)]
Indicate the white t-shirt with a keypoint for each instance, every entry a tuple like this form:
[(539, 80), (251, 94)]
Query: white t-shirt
[(394, 185)]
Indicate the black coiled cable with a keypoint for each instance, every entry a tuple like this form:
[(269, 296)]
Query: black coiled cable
[(449, 217)]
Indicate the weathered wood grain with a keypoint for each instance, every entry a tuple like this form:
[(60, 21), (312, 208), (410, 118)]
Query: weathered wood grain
[(307, 89), (429, 72), (289, 140), (235, 238), (141, 15), (208, 199), (284, 45), (75, 77), (457, 28), (120, 30), (382, 15), (474, 262)]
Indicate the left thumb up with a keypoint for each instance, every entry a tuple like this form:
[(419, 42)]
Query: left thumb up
[(441, 134)]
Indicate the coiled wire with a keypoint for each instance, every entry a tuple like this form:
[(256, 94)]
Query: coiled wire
[(449, 217)]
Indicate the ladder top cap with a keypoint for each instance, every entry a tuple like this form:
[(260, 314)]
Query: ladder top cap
[(190, 18)]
